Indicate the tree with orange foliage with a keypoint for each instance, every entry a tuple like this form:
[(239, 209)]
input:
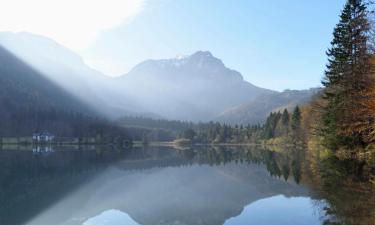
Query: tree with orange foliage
[(349, 109)]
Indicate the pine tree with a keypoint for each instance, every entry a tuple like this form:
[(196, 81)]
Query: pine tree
[(285, 121), (270, 125), (285, 117), (295, 122), (347, 118)]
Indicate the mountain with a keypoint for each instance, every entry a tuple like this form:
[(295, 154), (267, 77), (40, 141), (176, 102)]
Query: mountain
[(67, 70), (197, 87), (23, 86), (30, 103), (24, 92), (256, 110)]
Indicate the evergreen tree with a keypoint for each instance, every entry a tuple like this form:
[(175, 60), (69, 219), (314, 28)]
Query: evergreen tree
[(189, 134), (347, 119), (296, 120), (270, 125), (285, 119), (295, 125)]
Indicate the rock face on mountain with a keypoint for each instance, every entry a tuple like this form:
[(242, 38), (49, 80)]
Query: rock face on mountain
[(197, 87), (257, 110)]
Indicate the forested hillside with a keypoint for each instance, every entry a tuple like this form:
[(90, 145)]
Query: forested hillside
[(67, 69), (258, 109), (31, 103)]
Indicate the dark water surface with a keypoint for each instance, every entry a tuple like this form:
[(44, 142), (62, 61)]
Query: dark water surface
[(165, 186)]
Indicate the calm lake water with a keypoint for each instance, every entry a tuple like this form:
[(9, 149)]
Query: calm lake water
[(165, 186)]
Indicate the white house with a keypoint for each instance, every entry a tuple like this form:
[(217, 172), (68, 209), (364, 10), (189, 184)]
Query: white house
[(43, 137)]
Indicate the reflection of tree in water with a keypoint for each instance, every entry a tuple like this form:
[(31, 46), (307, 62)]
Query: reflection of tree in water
[(31, 183), (277, 164), (296, 170), (202, 194), (344, 185), (346, 188), (286, 169)]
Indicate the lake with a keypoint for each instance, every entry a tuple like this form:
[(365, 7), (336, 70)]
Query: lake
[(166, 186)]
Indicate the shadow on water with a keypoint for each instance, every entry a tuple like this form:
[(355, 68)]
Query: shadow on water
[(205, 185)]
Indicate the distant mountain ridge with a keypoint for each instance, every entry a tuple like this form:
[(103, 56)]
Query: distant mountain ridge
[(257, 110), (66, 69), (30, 102), (20, 82), (197, 87)]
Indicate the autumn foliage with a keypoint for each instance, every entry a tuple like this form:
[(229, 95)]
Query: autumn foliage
[(348, 102)]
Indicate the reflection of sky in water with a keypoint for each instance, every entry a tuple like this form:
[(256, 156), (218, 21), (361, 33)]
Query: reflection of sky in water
[(274, 210), (111, 217), (157, 187), (277, 210), (197, 194), (169, 187)]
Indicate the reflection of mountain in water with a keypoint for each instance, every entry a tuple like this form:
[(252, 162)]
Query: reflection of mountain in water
[(111, 217), (190, 195), (278, 210), (156, 186)]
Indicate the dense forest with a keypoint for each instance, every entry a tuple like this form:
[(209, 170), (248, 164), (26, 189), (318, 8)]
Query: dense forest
[(285, 125)]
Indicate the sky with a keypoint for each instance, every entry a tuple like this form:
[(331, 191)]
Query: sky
[(273, 43)]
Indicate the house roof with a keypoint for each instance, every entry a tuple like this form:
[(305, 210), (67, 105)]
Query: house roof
[(44, 133)]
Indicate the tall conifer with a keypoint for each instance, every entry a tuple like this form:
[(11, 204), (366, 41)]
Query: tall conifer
[(347, 118)]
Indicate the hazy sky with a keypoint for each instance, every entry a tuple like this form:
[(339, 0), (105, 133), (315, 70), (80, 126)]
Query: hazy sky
[(276, 44)]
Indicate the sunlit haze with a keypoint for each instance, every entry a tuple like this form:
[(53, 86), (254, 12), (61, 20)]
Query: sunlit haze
[(187, 112), (70, 22), (272, 44)]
